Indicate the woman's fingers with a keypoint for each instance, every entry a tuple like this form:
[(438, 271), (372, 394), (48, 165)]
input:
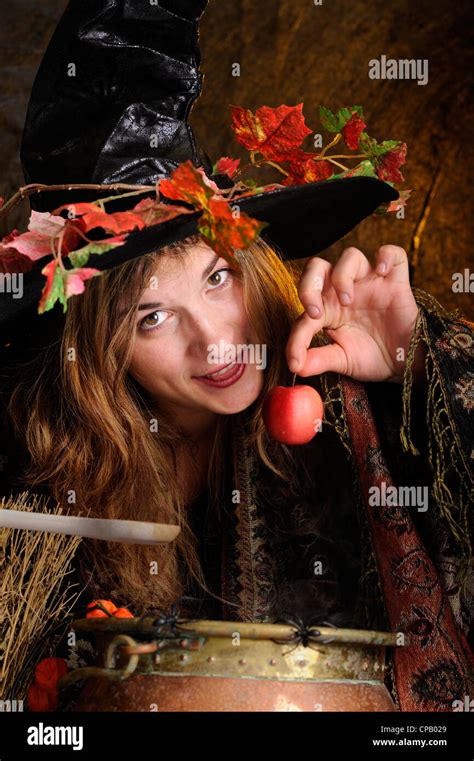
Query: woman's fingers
[(338, 284), (392, 260), (301, 334), (322, 359), (319, 275), (318, 359), (311, 284), (351, 266)]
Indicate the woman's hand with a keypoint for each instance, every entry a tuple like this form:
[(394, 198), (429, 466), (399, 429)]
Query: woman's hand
[(371, 331)]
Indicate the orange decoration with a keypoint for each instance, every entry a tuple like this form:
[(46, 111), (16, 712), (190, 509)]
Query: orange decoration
[(43, 693), (107, 604), (110, 610), (40, 699), (49, 671), (123, 613)]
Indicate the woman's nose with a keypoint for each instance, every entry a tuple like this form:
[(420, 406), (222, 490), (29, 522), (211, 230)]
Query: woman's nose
[(206, 331)]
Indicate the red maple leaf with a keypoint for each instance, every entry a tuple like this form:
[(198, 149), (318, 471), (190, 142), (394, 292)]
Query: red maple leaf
[(274, 132), (74, 284), (387, 166), (226, 165), (32, 244), (37, 242), (11, 261), (226, 231), (92, 216), (219, 224), (394, 206), (187, 184), (304, 167), (352, 130), (153, 212)]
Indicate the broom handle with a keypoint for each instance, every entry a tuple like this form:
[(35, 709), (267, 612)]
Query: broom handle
[(107, 529)]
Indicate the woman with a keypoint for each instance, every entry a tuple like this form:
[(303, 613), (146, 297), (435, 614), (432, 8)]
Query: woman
[(118, 422), (150, 436), (116, 419)]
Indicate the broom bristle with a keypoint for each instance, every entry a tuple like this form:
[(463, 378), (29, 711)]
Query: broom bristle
[(35, 597)]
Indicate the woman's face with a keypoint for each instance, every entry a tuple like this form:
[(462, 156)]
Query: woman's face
[(190, 305)]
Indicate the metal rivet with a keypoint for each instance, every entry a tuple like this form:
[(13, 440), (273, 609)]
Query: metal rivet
[(242, 661), (210, 659), (302, 663), (183, 657), (272, 662)]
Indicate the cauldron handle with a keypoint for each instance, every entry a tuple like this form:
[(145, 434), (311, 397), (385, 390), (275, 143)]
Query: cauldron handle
[(132, 648)]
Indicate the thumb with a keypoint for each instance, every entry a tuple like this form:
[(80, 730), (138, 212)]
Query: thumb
[(330, 358)]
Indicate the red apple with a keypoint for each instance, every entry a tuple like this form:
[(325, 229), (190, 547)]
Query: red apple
[(293, 415)]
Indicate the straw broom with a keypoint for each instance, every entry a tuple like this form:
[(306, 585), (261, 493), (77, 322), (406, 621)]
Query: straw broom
[(35, 596)]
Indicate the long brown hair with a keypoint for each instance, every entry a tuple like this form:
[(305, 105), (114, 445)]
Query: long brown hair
[(86, 422)]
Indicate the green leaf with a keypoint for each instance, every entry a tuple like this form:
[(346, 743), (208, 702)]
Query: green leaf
[(206, 231), (375, 150), (342, 117), (335, 123), (56, 292), (250, 183), (328, 120), (81, 257), (363, 169), (386, 146)]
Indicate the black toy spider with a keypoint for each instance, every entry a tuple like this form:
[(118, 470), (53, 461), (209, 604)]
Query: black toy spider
[(167, 623), (304, 633)]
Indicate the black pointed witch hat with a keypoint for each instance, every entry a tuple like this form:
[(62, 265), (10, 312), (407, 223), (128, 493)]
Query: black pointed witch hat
[(110, 104)]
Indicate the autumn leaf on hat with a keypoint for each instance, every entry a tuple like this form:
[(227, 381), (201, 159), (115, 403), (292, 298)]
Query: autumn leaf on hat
[(388, 166), (153, 212), (395, 205), (364, 169), (226, 165), (336, 122), (62, 283), (10, 259), (277, 134), (306, 167), (274, 136), (274, 132), (224, 226), (92, 216), (387, 157), (227, 232), (36, 242), (352, 130)]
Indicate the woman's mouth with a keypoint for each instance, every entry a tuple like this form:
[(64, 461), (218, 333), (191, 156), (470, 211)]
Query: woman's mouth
[(224, 377)]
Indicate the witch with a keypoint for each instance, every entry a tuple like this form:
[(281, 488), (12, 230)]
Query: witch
[(114, 407)]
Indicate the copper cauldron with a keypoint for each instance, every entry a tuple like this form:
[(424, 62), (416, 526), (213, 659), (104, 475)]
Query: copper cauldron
[(230, 666)]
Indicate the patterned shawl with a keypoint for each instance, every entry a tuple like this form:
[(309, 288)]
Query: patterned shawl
[(417, 574)]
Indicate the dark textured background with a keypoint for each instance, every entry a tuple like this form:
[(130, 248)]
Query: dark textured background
[(291, 51)]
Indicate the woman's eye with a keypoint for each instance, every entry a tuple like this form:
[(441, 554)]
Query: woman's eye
[(153, 324), (150, 322), (221, 279)]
